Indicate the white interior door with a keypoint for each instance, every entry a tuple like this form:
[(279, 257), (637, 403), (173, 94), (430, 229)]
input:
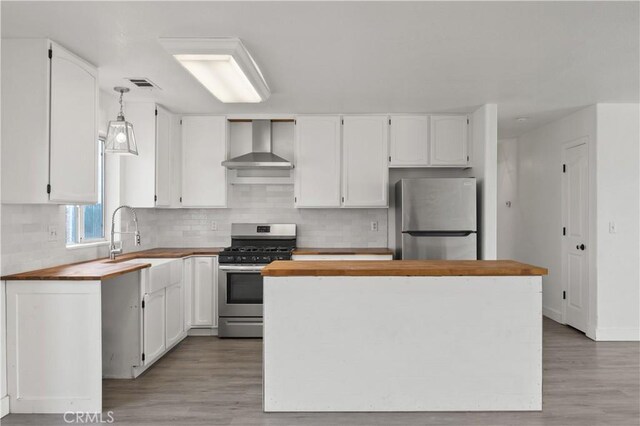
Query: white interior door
[(575, 264)]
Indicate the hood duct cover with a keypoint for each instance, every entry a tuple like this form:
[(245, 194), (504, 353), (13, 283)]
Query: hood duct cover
[(260, 156)]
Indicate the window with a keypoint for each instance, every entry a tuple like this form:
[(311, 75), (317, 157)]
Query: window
[(85, 223)]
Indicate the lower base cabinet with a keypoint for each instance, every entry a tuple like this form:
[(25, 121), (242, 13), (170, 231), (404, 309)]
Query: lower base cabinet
[(154, 314), (174, 312), (201, 282)]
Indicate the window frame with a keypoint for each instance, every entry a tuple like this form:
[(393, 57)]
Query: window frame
[(82, 241)]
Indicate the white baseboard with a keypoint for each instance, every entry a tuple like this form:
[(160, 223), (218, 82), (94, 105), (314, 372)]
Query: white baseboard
[(4, 406), (553, 314), (203, 331), (617, 334)]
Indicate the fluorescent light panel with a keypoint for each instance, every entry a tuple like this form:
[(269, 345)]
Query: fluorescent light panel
[(223, 66), (222, 76)]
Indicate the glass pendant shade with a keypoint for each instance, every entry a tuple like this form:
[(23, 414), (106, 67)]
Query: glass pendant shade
[(120, 138)]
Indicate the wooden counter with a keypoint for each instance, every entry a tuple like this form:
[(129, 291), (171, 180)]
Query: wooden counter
[(343, 251), (402, 268), (102, 269)]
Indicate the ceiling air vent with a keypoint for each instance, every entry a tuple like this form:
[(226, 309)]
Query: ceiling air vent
[(144, 83)]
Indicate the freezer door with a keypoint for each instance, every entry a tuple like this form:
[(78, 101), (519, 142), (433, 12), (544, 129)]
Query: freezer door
[(438, 204), (463, 247)]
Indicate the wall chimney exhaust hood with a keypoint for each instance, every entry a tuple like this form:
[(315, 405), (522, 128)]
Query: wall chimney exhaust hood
[(261, 156)]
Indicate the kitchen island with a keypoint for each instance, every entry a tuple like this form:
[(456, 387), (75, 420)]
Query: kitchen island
[(402, 336)]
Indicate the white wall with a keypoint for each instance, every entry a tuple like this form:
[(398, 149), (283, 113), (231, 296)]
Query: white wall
[(484, 155), (532, 231), (507, 188), (618, 175), (538, 211)]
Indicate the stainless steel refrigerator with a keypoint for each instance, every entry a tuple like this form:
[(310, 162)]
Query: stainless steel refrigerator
[(436, 218)]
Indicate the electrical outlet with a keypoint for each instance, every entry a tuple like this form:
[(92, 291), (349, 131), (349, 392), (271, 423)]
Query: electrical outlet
[(612, 228), (374, 226), (53, 233), (214, 225)]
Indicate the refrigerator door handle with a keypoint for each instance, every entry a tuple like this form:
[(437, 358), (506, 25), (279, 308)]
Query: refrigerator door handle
[(439, 233)]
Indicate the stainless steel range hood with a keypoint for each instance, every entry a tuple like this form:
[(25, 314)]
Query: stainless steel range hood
[(261, 156)]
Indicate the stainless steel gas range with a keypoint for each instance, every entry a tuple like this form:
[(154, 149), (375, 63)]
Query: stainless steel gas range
[(253, 246)]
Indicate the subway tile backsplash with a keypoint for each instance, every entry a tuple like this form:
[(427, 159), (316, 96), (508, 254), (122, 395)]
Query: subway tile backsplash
[(26, 246)]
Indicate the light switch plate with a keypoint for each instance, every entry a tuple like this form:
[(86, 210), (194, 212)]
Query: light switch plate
[(374, 226)]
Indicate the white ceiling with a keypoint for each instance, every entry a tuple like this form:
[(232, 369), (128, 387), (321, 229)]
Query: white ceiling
[(540, 60)]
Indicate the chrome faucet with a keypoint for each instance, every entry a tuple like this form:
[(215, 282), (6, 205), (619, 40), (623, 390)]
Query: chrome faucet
[(113, 250)]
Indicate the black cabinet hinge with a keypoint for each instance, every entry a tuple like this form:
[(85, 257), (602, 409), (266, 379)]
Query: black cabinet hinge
[(156, 111), (343, 199), (467, 121), (564, 295), (143, 304), (155, 198), (50, 53), (48, 188), (342, 121), (564, 230), (143, 356), (180, 199), (389, 122), (389, 158), (295, 122), (180, 122), (467, 158), (295, 199), (564, 168)]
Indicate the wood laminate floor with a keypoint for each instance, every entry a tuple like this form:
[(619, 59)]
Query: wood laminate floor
[(207, 381)]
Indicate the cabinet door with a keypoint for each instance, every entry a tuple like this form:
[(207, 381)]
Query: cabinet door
[(409, 141), (317, 161), (154, 325), (163, 171), (204, 148), (203, 295), (449, 140), (365, 173), (139, 172), (176, 162), (187, 281), (73, 129), (174, 313)]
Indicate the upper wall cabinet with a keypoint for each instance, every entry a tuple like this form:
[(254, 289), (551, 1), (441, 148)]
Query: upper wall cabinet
[(365, 173), (49, 124), (146, 178), (317, 160), (449, 140), (409, 141), (204, 148)]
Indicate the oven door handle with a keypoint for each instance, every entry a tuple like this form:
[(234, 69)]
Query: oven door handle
[(241, 268)]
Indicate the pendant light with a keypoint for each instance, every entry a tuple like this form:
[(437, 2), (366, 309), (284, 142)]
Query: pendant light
[(120, 138)]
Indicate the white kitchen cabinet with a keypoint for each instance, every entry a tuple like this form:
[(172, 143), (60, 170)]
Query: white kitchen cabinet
[(365, 172), (175, 326), (49, 124), (146, 177), (204, 148), (317, 173), (409, 137), (449, 140), (154, 323), (204, 312)]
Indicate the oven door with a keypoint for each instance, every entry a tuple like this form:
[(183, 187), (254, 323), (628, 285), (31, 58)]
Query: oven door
[(240, 291)]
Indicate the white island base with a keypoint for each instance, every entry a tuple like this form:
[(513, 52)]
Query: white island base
[(402, 343)]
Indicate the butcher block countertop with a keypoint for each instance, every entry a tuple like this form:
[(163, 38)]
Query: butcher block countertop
[(403, 268), (102, 269), (342, 251)]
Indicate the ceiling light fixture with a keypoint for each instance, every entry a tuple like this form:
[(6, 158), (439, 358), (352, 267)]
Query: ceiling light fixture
[(120, 137), (222, 65)]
